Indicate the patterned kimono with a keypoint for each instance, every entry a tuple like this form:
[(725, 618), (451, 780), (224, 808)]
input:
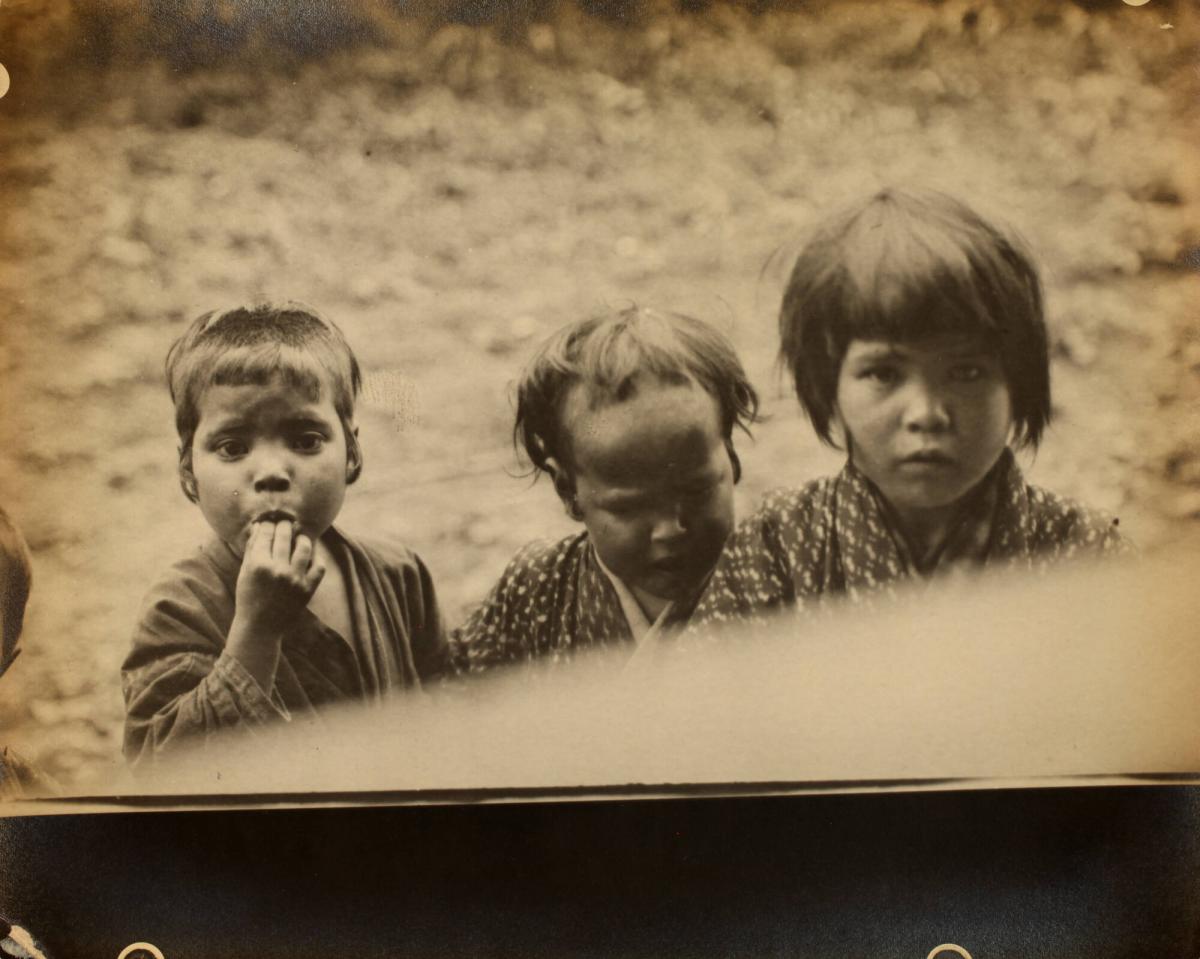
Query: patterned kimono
[(838, 536), (179, 685), (553, 601)]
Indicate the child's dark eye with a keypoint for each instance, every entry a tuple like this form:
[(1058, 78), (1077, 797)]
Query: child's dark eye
[(626, 508), (309, 442), (967, 372), (621, 509), (884, 375), (230, 449)]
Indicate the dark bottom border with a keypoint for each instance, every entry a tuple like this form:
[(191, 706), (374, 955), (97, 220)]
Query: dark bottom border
[(1094, 871)]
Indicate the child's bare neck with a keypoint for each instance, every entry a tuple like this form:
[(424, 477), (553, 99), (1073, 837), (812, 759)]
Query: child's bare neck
[(926, 532), (652, 606)]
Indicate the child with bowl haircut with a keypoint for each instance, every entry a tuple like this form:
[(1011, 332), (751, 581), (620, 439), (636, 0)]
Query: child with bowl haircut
[(632, 415), (279, 613), (914, 332)]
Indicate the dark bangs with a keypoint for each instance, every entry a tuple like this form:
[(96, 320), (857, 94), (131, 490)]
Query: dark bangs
[(266, 363)]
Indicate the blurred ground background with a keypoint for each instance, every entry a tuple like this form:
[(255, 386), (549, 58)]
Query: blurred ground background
[(450, 183)]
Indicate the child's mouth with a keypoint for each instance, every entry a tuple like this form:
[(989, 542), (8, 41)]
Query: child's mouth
[(672, 566), (675, 578), (275, 516), (928, 458)]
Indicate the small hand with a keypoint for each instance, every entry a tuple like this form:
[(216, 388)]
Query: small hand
[(278, 575), (276, 581)]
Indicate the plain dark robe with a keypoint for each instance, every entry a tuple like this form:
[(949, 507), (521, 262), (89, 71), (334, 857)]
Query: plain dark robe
[(180, 686)]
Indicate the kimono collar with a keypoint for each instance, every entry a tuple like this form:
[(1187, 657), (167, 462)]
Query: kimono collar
[(639, 623), (869, 550)]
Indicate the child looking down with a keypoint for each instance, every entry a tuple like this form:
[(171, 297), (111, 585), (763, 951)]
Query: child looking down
[(632, 416), (915, 336), (279, 613)]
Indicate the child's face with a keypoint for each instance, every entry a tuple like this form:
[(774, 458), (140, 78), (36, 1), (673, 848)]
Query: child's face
[(653, 483), (925, 420), (268, 453)]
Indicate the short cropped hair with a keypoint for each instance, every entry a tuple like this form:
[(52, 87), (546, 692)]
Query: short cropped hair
[(253, 346), (16, 577), (607, 354), (904, 265)]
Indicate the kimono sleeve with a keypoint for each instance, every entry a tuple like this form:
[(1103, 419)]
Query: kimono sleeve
[(1100, 533), (754, 576), (1065, 528), (502, 628), (427, 631), (179, 683)]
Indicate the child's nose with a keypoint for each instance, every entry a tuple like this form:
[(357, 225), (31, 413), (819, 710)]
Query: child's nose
[(271, 473), (926, 409), (668, 524)]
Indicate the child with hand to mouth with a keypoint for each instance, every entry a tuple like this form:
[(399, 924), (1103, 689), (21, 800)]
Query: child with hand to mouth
[(632, 416), (915, 335), (279, 613)]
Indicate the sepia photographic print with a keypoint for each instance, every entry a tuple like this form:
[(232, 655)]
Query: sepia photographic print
[(599, 478)]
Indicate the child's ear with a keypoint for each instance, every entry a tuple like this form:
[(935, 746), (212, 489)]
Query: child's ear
[(564, 486), (354, 457), (187, 478)]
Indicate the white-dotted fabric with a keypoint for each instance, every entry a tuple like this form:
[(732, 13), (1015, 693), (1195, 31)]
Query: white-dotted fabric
[(836, 537)]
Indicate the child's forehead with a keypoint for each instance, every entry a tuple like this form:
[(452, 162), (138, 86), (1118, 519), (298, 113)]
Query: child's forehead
[(666, 426), (279, 395), (682, 455)]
